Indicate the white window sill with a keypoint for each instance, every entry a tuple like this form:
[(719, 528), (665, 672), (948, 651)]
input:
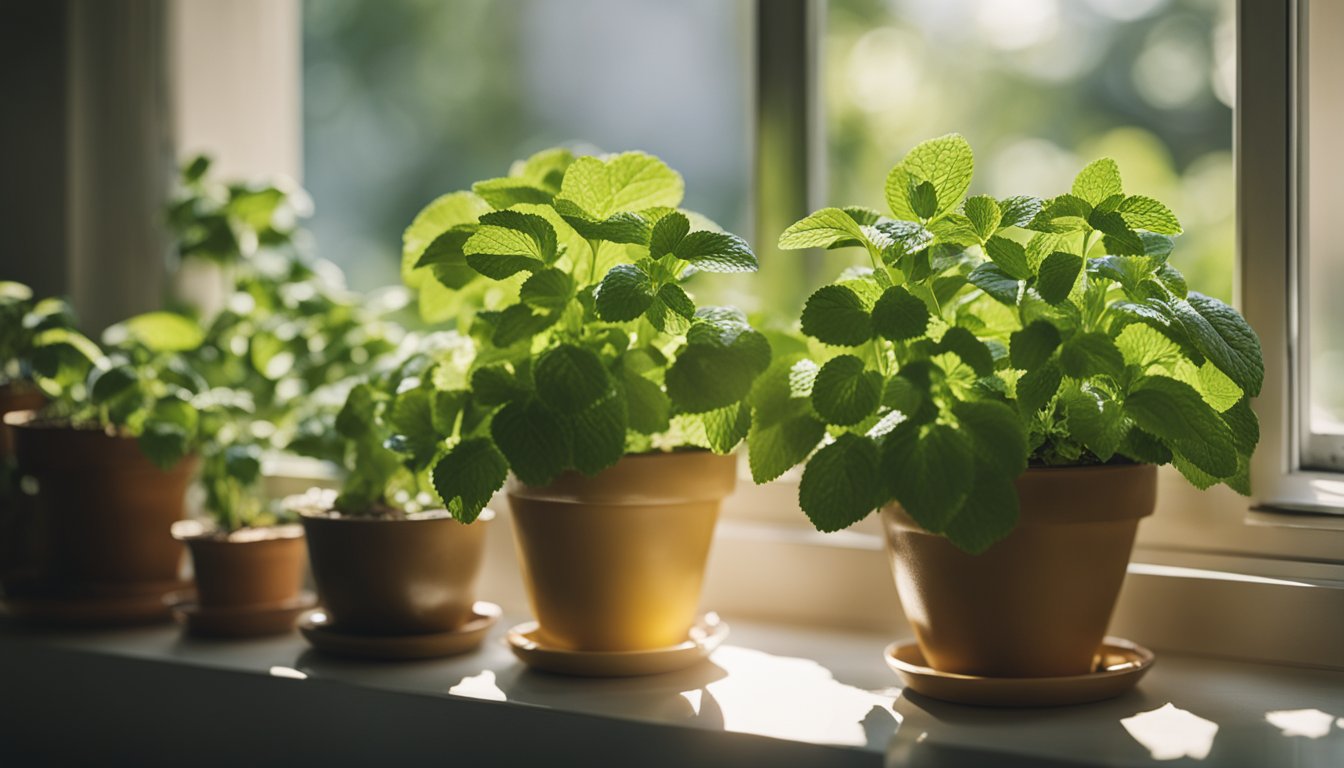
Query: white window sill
[(772, 695)]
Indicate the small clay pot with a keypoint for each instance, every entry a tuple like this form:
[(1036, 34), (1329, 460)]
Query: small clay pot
[(1035, 604), (103, 511), (254, 567), (615, 562), (407, 576), (17, 534)]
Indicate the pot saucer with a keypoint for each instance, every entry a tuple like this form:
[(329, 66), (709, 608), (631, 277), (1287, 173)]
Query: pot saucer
[(317, 628), (240, 620), (92, 611), (1119, 666), (707, 634)]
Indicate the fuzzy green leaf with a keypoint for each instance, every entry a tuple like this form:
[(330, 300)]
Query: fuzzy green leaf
[(1173, 411), (826, 228), (1033, 345), (1057, 274), (996, 283), (1098, 181), (534, 439), (996, 434), (984, 215), (835, 315), (628, 182), (899, 315), (1038, 386), (1091, 354), (783, 429), (1142, 212), (717, 252), (570, 379), (844, 393), (841, 484), (468, 475), (1009, 255), (624, 294), (929, 471), (549, 289), (947, 163)]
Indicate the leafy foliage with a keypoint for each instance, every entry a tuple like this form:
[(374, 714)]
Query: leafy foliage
[(990, 334), (570, 276)]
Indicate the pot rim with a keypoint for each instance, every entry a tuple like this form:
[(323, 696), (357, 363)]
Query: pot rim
[(429, 516), (193, 531)]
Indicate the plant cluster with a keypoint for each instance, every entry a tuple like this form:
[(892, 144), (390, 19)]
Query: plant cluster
[(26, 324), (986, 335), (569, 275)]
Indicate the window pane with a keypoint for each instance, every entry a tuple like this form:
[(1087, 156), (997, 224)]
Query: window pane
[(1040, 88), (407, 99), (1321, 169)]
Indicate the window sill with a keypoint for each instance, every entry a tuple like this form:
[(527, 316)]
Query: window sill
[(772, 695)]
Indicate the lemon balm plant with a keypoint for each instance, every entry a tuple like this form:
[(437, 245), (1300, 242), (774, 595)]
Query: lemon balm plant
[(611, 398), (1002, 364)]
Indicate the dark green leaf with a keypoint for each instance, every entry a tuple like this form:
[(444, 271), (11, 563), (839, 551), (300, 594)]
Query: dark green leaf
[(999, 285), (534, 439), (1018, 211), (899, 315), (717, 252), (1091, 354), (971, 350), (1038, 386), (844, 393), (1009, 255), (923, 198), (624, 294), (989, 514), (835, 315), (1033, 345), (1056, 276), (930, 470), (840, 484), (570, 379), (668, 233), (549, 290), (783, 429), (1173, 411), (468, 475), (996, 434)]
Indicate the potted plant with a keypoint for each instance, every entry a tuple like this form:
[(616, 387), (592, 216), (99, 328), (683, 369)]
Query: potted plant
[(22, 319), (610, 402), (111, 459), (395, 572), (1002, 379)]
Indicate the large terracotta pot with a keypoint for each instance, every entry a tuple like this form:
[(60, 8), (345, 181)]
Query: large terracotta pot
[(395, 576), (17, 534), (255, 567), (614, 562), (104, 511), (1036, 604)]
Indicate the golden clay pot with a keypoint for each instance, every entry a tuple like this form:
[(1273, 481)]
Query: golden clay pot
[(252, 567), (615, 562), (104, 511), (395, 577), (1037, 603)]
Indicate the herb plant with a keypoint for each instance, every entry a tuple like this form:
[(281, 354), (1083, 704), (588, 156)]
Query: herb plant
[(28, 324), (569, 275), (986, 335)]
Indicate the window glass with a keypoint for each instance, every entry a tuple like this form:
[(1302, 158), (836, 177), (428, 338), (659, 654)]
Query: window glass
[(1040, 88), (407, 99)]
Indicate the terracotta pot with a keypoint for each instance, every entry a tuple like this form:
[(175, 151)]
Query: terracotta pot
[(254, 567), (17, 535), (103, 510), (1036, 604), (396, 577), (614, 562)]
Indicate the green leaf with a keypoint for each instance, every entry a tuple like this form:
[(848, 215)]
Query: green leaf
[(444, 213), (1033, 345), (534, 439), (1142, 212), (508, 242), (1009, 255), (668, 233), (840, 484), (1098, 181), (984, 215), (1098, 422), (996, 283), (1128, 271), (945, 162), (548, 289), (411, 417), (783, 429), (496, 385), (827, 228), (899, 315), (1057, 275), (624, 293), (1062, 214), (165, 331), (164, 444), (1038, 386), (971, 350), (1120, 240), (1224, 336), (510, 191), (1091, 354), (923, 198), (621, 227), (107, 384), (468, 475), (648, 406), (835, 315), (446, 260), (1173, 411), (598, 434), (844, 393), (1018, 211), (626, 183), (1245, 426), (570, 379), (929, 471), (989, 514), (717, 252), (722, 358), (727, 427), (996, 434)]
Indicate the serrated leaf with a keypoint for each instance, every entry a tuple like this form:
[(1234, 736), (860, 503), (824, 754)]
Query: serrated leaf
[(989, 514), (1098, 181), (929, 471), (549, 289), (1091, 354), (783, 429), (827, 228), (1009, 256), (1142, 212), (999, 285), (984, 214), (439, 216), (598, 434), (971, 350), (624, 293), (647, 405), (1033, 345), (840, 484), (1062, 214), (411, 417), (468, 476), (509, 191), (534, 439), (996, 434), (629, 182), (923, 198), (1119, 239), (668, 233), (947, 163), (835, 315), (1056, 276), (519, 322), (1098, 422), (496, 385), (624, 227), (1223, 335), (844, 393), (1038, 386), (1018, 211), (899, 315), (717, 252), (1173, 411), (570, 379), (722, 358), (727, 427), (508, 242)]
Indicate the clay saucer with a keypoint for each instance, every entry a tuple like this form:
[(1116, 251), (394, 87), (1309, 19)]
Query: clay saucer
[(318, 629), (1118, 667), (102, 610), (242, 620), (527, 643)]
